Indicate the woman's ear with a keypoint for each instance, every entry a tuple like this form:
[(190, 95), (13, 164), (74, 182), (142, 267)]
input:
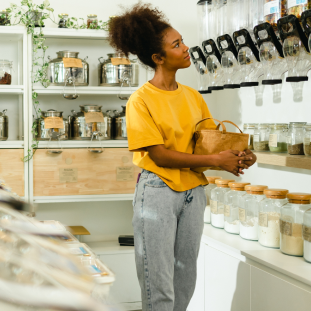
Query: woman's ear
[(158, 60)]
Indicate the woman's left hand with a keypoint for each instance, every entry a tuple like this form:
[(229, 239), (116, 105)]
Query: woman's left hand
[(248, 153)]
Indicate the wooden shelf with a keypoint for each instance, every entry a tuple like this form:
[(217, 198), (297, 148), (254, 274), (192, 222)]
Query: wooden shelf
[(284, 159), (12, 89), (87, 90)]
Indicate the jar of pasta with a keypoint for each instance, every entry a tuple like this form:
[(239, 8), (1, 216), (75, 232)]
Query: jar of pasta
[(248, 211), (232, 204), (291, 220), (269, 217), (217, 202), (261, 137), (211, 185)]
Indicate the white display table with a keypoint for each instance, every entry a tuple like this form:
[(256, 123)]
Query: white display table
[(240, 275)]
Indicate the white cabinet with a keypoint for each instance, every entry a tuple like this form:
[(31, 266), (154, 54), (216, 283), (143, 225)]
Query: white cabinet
[(227, 282), (271, 293)]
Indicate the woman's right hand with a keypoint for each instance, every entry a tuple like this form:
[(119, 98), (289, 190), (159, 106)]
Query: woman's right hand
[(232, 161)]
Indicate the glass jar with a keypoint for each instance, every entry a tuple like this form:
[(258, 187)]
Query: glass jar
[(296, 8), (248, 211), (306, 235), (261, 137), (211, 185), (232, 204), (92, 21), (63, 20), (217, 202), (269, 217), (4, 18), (295, 138), (291, 242), (249, 128), (307, 139), (274, 10), (278, 137), (5, 71)]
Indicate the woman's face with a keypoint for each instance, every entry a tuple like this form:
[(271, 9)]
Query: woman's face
[(177, 55)]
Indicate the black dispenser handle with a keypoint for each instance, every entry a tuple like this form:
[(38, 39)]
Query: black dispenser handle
[(231, 47), (201, 56), (271, 37), (248, 42), (296, 29), (304, 19), (213, 46)]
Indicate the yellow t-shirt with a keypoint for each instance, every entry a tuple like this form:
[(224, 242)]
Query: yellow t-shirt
[(158, 117)]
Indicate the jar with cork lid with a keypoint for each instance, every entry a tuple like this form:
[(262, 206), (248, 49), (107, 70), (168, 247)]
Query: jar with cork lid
[(211, 185), (291, 220), (217, 202), (269, 217), (278, 137), (232, 204), (306, 235), (295, 138), (248, 212)]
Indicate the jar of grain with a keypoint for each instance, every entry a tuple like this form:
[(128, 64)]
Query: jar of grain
[(217, 202), (291, 242), (306, 235), (211, 185), (248, 211), (295, 138), (249, 128), (232, 204), (261, 137), (269, 217), (307, 139), (277, 137)]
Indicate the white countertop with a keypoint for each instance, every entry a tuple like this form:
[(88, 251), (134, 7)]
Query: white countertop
[(294, 267)]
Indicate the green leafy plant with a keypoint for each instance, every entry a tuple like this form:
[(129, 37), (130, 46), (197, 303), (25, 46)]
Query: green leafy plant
[(32, 16)]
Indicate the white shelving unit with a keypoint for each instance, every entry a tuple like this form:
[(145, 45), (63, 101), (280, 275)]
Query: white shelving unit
[(12, 89)]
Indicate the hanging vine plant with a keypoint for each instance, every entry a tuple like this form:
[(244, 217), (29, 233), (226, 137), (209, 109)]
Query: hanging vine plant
[(32, 16)]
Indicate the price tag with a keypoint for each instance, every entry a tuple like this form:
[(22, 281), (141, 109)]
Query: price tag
[(273, 140), (242, 214), (227, 210), (292, 3), (214, 209), (125, 173), (120, 61), (256, 138), (263, 219), (271, 7), (53, 123), (91, 117), (72, 62)]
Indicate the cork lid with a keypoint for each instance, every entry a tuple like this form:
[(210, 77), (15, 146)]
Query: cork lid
[(275, 193), (238, 186), (255, 189), (211, 179), (299, 198), (223, 183)]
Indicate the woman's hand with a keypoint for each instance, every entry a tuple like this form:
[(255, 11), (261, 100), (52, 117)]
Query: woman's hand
[(234, 161), (249, 153)]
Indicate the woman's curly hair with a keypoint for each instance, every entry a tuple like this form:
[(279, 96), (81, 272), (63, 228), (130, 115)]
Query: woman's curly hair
[(139, 31)]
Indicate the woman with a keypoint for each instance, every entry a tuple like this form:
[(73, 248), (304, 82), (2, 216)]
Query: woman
[(169, 200)]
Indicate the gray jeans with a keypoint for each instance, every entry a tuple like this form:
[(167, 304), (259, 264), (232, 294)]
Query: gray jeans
[(168, 226)]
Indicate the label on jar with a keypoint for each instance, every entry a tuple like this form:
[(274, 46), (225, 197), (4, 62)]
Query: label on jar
[(306, 141), (242, 214), (214, 208), (68, 175), (273, 140), (53, 123), (125, 173), (95, 116), (271, 7), (263, 220), (306, 233), (227, 210), (72, 62), (120, 61), (256, 138), (291, 3), (286, 227)]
